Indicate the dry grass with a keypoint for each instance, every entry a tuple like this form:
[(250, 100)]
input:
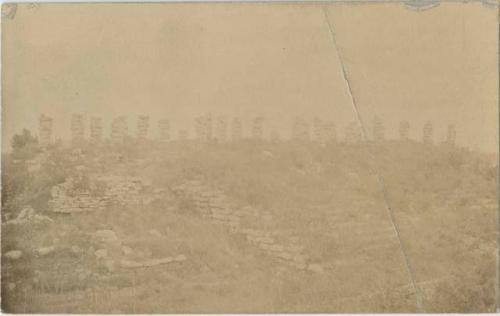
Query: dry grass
[(312, 192)]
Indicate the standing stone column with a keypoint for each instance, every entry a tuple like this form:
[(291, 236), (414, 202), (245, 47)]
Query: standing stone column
[(95, 129), (221, 129), (300, 129), (275, 137), (428, 133), (45, 130), (77, 129), (198, 128), (378, 130), (203, 127), (451, 135), (329, 132), (208, 127), (164, 130), (353, 133), (319, 130), (142, 127), (404, 130), (236, 129), (119, 129), (258, 128), (183, 135)]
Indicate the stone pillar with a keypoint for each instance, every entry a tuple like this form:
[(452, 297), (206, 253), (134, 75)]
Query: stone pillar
[(275, 136), (295, 128), (77, 128), (378, 130), (236, 130), (451, 135), (329, 132), (209, 127), (164, 130), (428, 133), (203, 127), (221, 129), (95, 129), (353, 133), (404, 130), (183, 135), (258, 128), (142, 126), (300, 130), (119, 129), (45, 130), (305, 130), (319, 130), (198, 128)]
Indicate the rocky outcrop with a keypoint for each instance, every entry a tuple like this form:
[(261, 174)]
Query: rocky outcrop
[(28, 215)]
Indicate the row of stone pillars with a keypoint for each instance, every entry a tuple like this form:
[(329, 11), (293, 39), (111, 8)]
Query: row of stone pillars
[(208, 128)]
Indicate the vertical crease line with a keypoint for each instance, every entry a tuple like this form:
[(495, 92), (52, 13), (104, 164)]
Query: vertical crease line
[(381, 183)]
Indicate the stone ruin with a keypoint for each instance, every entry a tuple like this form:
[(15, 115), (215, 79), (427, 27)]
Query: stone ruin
[(236, 130), (221, 129), (318, 129), (324, 132), (79, 194), (258, 128), (300, 130), (275, 136), (329, 132), (428, 133), (378, 130), (68, 198), (404, 130), (164, 130), (203, 127), (353, 133), (123, 189), (451, 135), (142, 126), (95, 129), (254, 224), (45, 130), (183, 135), (77, 129), (198, 128), (208, 129), (119, 129)]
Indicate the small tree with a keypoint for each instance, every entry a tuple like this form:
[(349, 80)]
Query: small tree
[(22, 140), (24, 145)]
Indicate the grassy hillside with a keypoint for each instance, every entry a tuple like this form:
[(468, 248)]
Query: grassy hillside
[(334, 202)]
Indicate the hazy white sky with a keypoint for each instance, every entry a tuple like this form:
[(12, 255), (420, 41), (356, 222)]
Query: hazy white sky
[(276, 60)]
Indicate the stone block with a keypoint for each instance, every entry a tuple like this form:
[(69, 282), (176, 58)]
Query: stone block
[(316, 268), (276, 248), (13, 254), (43, 251), (101, 253), (284, 255)]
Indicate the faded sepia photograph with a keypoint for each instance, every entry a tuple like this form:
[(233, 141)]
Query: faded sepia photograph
[(250, 157)]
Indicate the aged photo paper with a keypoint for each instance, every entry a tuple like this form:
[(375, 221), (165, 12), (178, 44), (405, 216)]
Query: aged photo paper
[(258, 157)]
